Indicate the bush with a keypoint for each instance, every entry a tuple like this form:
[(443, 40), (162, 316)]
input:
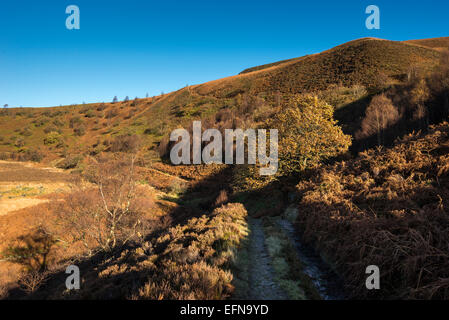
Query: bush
[(70, 162), (58, 123), (51, 129), (80, 131), (101, 107), (4, 156), (90, 114), (31, 155), (53, 138), (126, 143), (75, 121), (26, 132), (111, 113), (19, 142), (40, 122)]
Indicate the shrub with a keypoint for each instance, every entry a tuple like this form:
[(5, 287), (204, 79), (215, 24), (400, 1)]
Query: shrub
[(111, 113), (90, 114), (101, 107), (31, 155), (80, 131), (75, 121), (40, 122), (19, 142), (26, 132), (53, 138), (58, 123), (126, 143), (51, 129), (70, 162), (4, 156)]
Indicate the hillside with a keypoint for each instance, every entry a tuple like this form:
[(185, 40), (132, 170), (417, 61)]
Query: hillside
[(141, 228), (436, 43), (91, 128), (356, 62), (388, 207)]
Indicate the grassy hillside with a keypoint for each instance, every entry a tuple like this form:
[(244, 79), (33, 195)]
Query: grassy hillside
[(92, 128), (185, 232), (437, 43)]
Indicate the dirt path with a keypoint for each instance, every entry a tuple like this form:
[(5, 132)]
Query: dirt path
[(324, 278), (261, 280)]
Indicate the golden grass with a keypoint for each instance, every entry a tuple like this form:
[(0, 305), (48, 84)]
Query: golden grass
[(389, 208)]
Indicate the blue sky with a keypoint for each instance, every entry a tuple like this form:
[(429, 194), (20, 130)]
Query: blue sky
[(129, 48)]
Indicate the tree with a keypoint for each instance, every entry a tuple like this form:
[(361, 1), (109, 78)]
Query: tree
[(419, 95), (126, 99), (115, 100), (380, 114), (110, 213), (307, 134)]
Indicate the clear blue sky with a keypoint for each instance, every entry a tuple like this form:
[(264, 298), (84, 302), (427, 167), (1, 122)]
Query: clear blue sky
[(129, 48)]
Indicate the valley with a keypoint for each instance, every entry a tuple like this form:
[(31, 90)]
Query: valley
[(362, 180)]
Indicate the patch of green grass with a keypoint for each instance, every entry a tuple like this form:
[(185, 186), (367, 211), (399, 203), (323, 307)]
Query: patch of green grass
[(21, 191)]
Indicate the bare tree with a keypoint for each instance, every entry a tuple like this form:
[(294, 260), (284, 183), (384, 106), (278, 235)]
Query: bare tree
[(111, 212), (32, 280), (380, 114)]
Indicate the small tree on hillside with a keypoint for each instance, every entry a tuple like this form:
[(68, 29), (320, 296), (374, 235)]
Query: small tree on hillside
[(380, 114), (110, 213), (115, 100), (126, 99), (308, 134)]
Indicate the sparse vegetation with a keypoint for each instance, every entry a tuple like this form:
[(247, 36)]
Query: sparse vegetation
[(157, 231), (387, 208), (109, 213)]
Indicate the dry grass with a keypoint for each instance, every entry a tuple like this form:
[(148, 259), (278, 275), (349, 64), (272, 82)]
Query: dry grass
[(387, 208), (188, 261)]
